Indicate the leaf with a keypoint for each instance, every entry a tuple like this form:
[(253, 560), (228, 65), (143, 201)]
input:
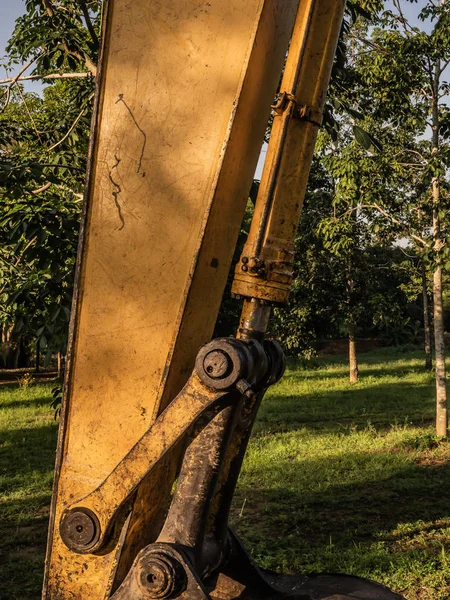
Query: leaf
[(367, 141), (362, 137), (55, 313)]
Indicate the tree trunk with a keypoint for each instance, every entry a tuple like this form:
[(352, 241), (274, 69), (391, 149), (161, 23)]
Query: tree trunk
[(38, 358), (439, 342), (353, 362), (439, 345), (61, 366), (16, 354), (438, 313), (426, 321)]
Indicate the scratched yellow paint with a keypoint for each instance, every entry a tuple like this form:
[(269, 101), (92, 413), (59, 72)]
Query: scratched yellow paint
[(185, 93)]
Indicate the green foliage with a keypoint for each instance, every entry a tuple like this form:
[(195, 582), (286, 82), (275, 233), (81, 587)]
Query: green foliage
[(40, 205), (55, 35), (43, 148)]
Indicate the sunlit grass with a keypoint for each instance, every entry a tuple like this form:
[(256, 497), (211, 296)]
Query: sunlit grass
[(350, 478)]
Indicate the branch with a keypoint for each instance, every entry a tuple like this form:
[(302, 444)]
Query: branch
[(401, 19), (28, 112), (408, 256), (30, 243), (48, 7), (444, 66), (416, 165), (369, 43), (42, 189), (89, 25), (74, 124), (13, 80), (411, 152), (397, 222), (82, 58)]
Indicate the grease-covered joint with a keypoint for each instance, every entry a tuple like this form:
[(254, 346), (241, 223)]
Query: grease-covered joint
[(236, 364), (224, 362), (160, 576), (254, 319), (159, 572)]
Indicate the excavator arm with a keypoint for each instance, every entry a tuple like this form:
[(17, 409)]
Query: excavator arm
[(156, 417)]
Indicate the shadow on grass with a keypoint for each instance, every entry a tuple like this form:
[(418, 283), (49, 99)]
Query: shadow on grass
[(330, 410), (44, 401), (27, 459), (26, 451), (311, 517)]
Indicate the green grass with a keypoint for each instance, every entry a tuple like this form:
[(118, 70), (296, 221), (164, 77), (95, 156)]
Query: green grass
[(337, 478), (27, 454), (343, 478)]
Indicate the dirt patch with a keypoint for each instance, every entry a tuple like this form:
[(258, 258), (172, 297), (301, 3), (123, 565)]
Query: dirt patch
[(340, 347)]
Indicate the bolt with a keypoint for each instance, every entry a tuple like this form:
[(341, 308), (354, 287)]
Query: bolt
[(217, 364), (80, 530), (245, 259), (244, 268), (161, 576)]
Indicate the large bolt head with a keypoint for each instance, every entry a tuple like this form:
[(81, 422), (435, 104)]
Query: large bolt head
[(161, 577), (80, 530), (217, 364), (221, 363)]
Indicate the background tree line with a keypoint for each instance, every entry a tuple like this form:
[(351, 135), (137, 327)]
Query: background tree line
[(371, 250)]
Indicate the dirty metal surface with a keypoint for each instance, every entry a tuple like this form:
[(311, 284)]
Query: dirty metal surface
[(165, 571), (266, 266), (183, 100)]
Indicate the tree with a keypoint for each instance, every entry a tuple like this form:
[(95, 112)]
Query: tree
[(43, 150), (404, 68), (381, 305), (40, 207)]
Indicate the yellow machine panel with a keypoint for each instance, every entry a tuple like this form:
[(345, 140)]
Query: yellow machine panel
[(185, 93)]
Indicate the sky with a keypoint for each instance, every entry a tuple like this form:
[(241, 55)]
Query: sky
[(10, 10)]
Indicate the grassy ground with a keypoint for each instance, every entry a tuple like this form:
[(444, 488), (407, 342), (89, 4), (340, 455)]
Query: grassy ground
[(337, 478), (27, 453)]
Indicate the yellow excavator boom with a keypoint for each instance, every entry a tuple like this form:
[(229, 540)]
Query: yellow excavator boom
[(156, 416)]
